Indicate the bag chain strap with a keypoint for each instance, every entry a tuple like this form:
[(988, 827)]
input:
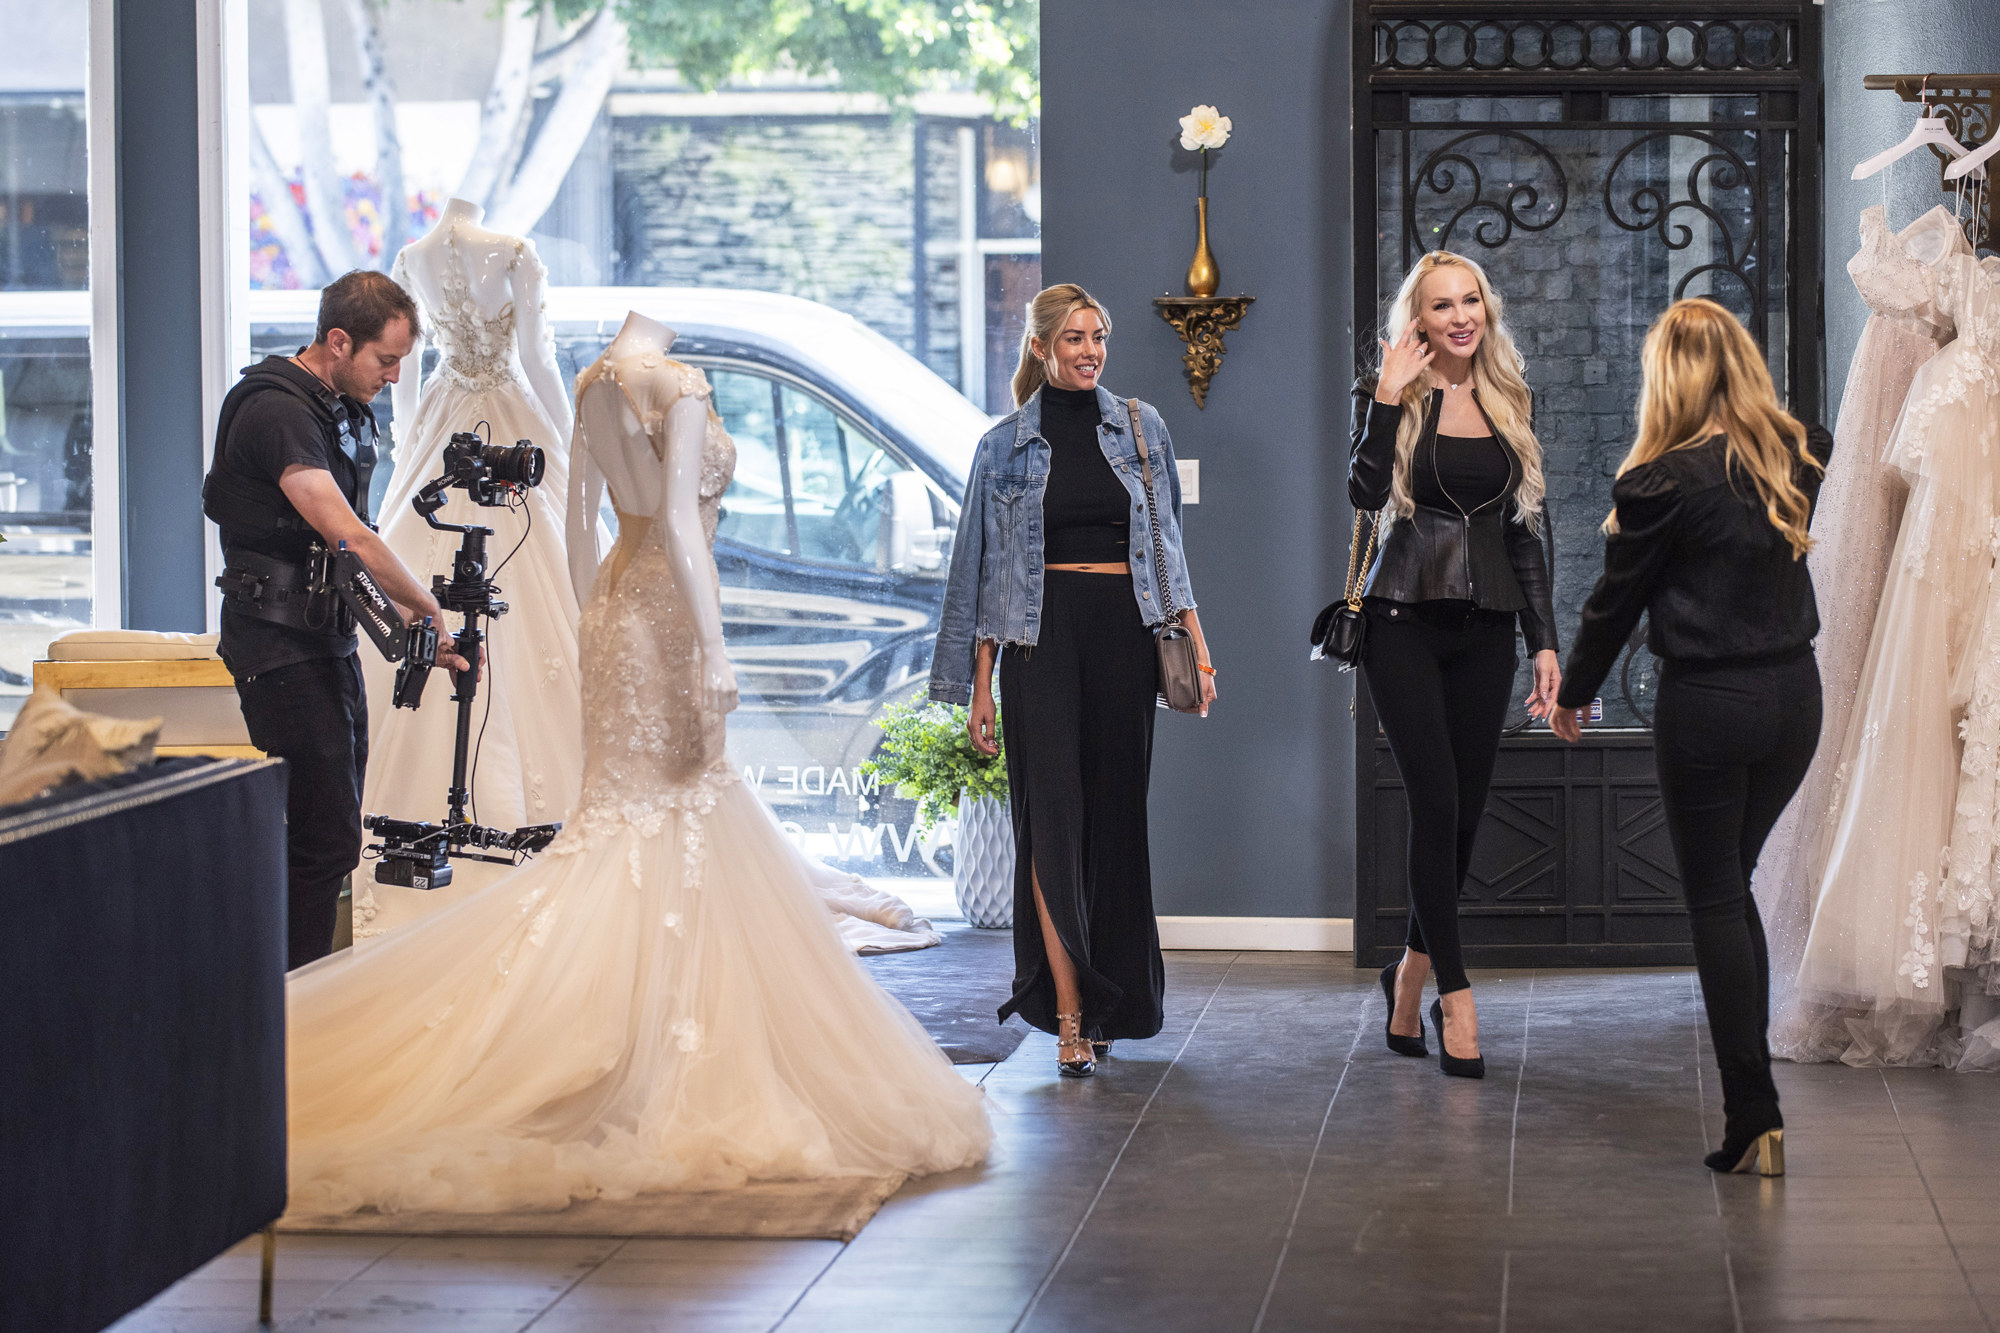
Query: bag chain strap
[(1357, 564), (1160, 572)]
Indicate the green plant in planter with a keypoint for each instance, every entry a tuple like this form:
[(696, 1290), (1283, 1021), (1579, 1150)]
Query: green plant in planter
[(928, 756)]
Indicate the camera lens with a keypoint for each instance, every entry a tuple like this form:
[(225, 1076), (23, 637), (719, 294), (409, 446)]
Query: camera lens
[(514, 465)]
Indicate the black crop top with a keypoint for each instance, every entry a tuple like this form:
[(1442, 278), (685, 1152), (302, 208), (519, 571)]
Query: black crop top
[(1086, 517), (1471, 470)]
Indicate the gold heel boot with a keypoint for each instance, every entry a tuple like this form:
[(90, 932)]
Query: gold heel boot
[(1764, 1155), (1074, 1056)]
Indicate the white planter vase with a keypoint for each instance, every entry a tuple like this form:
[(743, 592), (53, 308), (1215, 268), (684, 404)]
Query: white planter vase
[(982, 861)]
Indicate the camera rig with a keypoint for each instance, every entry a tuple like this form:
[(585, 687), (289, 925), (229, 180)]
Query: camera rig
[(416, 853)]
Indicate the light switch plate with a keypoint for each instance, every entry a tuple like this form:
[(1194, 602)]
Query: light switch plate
[(1190, 470)]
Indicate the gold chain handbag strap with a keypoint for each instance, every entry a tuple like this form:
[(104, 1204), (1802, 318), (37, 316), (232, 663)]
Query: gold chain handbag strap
[(1357, 563)]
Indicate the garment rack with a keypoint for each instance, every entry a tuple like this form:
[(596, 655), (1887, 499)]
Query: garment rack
[(1970, 105)]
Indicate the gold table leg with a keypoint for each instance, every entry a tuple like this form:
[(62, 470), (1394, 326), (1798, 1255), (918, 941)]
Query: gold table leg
[(264, 1280)]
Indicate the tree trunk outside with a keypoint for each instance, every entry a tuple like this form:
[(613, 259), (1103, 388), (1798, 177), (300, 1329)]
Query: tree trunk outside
[(365, 16), (503, 115), (326, 200), (599, 56)]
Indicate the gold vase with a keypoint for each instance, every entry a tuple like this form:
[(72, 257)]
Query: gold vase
[(1202, 277)]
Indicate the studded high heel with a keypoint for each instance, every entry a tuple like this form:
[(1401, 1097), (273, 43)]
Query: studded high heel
[(1074, 1055)]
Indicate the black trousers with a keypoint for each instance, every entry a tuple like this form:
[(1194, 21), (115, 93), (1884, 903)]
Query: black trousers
[(1440, 673), (1733, 744), (314, 716), (1077, 714)]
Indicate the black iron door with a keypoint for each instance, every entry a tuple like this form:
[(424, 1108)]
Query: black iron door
[(1600, 161)]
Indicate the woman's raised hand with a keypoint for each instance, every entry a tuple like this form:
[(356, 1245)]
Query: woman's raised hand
[(1403, 361)]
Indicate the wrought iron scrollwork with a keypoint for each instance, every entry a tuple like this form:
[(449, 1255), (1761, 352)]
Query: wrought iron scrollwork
[(1511, 209), (1648, 207)]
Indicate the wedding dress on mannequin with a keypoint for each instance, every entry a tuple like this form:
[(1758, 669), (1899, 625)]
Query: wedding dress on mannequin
[(480, 295), (660, 1001), (1872, 959), (1854, 528)]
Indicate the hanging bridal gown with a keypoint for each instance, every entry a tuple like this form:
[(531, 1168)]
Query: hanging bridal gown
[(661, 1000), (480, 295), (1854, 527), (1872, 960)]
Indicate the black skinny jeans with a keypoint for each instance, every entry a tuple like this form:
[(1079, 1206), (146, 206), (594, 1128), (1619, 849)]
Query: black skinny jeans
[(1733, 744), (1440, 673), (314, 716)]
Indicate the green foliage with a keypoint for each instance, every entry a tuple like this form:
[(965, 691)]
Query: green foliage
[(929, 757), (896, 48)]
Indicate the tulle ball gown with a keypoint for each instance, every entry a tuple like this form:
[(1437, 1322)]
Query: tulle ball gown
[(480, 295), (660, 1001), (1873, 980), (1854, 529)]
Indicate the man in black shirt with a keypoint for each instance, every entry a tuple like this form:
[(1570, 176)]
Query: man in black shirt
[(295, 444)]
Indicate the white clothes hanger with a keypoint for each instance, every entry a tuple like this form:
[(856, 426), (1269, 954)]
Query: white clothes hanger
[(1929, 131), (1973, 161)]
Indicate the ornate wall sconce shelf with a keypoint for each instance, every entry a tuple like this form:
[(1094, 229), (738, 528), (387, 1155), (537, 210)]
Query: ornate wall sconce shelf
[(1970, 106), (1201, 321)]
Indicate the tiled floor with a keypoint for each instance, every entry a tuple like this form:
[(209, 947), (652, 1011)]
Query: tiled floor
[(1265, 1164)]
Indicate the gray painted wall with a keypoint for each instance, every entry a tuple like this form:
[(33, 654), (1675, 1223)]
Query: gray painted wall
[(1253, 808), (1884, 37), (159, 315)]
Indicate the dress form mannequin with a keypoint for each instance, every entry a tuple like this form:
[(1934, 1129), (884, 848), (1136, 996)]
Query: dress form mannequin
[(479, 294), (496, 278), (665, 498), (645, 431)]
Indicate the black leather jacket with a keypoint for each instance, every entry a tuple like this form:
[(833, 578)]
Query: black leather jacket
[(1489, 559), (1695, 552)]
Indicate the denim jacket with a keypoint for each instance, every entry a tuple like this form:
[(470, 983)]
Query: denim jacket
[(995, 587)]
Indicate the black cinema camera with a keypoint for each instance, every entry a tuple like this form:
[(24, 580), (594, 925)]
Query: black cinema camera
[(413, 853)]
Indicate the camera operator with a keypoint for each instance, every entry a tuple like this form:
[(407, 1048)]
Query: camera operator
[(294, 451)]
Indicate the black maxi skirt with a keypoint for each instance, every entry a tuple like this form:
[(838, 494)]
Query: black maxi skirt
[(1078, 719)]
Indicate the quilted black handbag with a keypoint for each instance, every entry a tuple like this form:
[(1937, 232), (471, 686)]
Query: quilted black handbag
[(1341, 628)]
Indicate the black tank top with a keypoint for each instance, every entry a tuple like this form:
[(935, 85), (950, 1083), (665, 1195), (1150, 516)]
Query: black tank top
[(1463, 472), (1085, 510)]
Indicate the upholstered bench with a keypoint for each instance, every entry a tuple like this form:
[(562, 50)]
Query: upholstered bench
[(146, 673)]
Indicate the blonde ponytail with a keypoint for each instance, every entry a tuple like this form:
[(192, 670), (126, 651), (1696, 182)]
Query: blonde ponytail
[(1048, 315)]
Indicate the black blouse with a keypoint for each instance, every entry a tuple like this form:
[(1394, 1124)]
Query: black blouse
[(1695, 551), (1086, 517)]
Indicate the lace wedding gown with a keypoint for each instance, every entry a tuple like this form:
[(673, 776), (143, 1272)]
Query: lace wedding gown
[(1872, 964), (527, 722), (1854, 527), (660, 1001)]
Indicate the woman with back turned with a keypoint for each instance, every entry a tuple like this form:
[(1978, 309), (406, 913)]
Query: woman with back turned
[(1444, 446), (1709, 537), (1067, 558)]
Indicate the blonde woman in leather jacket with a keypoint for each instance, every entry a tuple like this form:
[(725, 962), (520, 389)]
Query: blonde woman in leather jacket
[(1443, 446)]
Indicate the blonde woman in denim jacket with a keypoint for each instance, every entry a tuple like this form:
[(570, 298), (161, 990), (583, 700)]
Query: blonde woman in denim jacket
[(1054, 575)]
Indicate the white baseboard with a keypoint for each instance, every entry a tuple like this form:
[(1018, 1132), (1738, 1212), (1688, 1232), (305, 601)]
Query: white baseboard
[(1310, 934)]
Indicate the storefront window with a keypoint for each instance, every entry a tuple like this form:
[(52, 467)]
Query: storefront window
[(45, 431), (844, 230)]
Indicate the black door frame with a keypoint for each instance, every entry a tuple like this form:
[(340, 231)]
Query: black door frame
[(1598, 891)]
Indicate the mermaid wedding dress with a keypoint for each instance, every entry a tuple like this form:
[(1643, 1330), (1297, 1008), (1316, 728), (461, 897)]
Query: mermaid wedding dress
[(1871, 982), (660, 1001), (1854, 527), (480, 295)]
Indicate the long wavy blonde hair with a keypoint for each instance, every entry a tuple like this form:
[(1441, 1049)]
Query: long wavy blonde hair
[(1496, 379), (1701, 365), (1048, 315)]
